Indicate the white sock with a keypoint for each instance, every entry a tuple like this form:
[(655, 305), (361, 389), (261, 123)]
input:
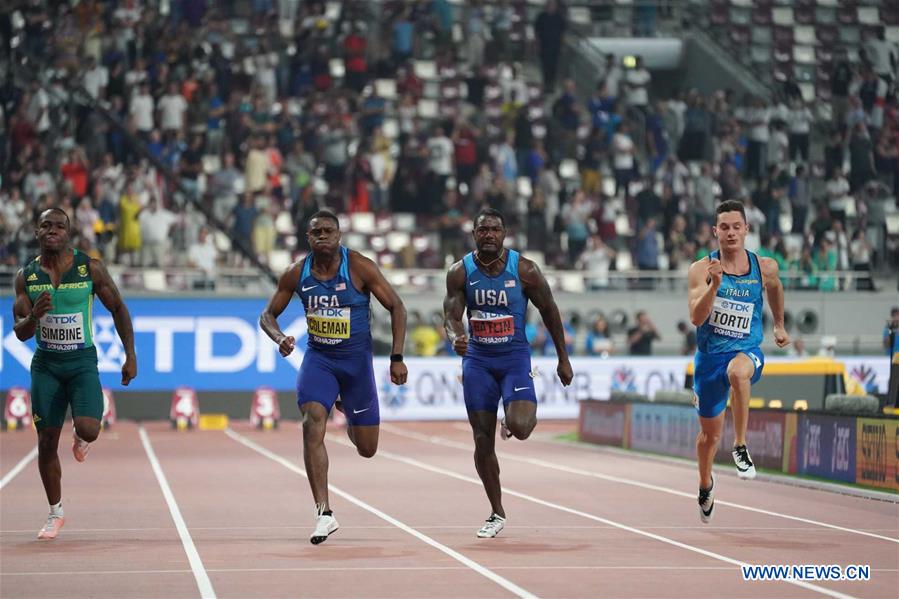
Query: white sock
[(56, 510)]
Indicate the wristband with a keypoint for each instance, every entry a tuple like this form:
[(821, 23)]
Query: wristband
[(396, 357)]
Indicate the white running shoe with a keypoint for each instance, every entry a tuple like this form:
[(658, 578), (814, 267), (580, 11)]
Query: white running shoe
[(491, 527), (706, 503), (80, 447), (51, 528), (745, 467), (325, 525), (504, 432)]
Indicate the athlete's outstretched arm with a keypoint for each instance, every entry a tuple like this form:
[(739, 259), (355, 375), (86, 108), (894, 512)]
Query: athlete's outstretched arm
[(537, 290), (105, 288), (774, 289), (268, 320), (704, 278), (26, 315), (454, 308), (374, 281)]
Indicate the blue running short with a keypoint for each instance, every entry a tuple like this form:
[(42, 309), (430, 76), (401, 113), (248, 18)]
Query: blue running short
[(710, 383), (321, 378), (487, 379)]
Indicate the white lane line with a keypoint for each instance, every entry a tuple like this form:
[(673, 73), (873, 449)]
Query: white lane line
[(552, 526), (503, 582), (627, 481), (7, 478), (193, 556), (555, 506), (43, 573)]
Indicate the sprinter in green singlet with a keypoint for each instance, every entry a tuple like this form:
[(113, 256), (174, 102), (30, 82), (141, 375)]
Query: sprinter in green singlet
[(54, 301)]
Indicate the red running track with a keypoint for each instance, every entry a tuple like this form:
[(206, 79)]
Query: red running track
[(581, 522)]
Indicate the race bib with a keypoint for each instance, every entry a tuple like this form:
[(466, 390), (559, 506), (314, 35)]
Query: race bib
[(491, 328), (329, 323), (730, 317), (62, 332)]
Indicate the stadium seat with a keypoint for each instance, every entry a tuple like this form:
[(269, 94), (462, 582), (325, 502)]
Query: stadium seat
[(425, 69), (849, 35), (869, 15), (404, 221), (804, 54), (825, 15), (579, 15), (824, 56), (892, 34), (336, 68), (740, 15), (783, 16), (804, 34), (397, 241), (428, 109), (762, 35), (154, 279), (386, 88)]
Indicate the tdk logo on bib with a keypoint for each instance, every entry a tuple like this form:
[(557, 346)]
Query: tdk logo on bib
[(737, 306)]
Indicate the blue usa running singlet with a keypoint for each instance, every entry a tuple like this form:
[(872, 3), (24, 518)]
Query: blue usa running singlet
[(337, 314), (496, 308), (736, 320)]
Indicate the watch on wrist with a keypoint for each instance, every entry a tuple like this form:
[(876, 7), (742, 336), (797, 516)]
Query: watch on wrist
[(396, 357)]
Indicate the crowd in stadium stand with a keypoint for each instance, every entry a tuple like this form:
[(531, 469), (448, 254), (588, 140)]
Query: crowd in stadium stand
[(267, 118)]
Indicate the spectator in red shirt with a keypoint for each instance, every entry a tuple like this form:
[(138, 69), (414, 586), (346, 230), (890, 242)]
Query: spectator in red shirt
[(354, 46), (74, 170), (466, 142)]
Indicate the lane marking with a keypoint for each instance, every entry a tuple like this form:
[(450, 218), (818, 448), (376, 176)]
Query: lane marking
[(503, 582), (7, 478), (435, 527), (625, 527), (627, 481), (196, 564), (384, 569)]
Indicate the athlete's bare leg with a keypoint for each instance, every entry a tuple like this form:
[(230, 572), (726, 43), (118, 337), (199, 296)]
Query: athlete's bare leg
[(706, 446), (521, 418), (48, 463), (315, 456), (483, 425), (87, 428), (365, 438), (739, 373)]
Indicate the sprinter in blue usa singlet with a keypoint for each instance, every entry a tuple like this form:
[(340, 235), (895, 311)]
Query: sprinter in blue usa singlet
[(494, 285), (726, 301), (335, 285)]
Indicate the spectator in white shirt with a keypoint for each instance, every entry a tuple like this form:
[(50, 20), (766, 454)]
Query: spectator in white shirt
[(881, 54), (172, 107), (611, 74), (638, 80), (623, 151), (757, 117), (800, 119), (204, 255), (155, 226), (142, 110), (95, 79), (838, 198)]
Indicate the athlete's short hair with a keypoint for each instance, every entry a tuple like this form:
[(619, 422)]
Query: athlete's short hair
[(323, 213), (490, 212), (731, 206), (54, 209)]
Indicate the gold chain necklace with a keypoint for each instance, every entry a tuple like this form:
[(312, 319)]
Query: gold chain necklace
[(494, 261)]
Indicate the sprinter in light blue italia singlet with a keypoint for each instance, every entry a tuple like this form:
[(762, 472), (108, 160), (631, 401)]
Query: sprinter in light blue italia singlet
[(726, 301)]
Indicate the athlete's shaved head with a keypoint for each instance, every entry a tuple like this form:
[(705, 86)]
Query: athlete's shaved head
[(54, 210), (490, 212), (323, 213)]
